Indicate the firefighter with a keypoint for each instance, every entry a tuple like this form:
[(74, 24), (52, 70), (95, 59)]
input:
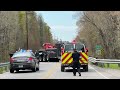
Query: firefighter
[(76, 63), (37, 54)]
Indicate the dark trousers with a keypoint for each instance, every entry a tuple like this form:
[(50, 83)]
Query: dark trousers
[(76, 65)]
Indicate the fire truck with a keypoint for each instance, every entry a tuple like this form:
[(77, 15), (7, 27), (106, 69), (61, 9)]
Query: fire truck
[(66, 55)]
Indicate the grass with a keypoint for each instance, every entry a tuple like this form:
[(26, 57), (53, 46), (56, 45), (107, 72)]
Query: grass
[(3, 69), (112, 66)]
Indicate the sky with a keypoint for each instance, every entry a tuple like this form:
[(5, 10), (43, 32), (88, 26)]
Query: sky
[(62, 23)]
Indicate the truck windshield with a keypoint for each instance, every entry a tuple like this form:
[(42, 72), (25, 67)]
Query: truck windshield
[(80, 47), (52, 51), (69, 47)]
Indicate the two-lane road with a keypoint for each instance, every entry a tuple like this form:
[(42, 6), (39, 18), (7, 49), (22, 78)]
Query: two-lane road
[(51, 70)]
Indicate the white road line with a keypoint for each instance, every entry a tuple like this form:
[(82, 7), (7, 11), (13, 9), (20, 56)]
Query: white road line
[(99, 72)]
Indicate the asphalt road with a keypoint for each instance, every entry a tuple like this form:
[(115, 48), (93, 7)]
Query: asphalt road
[(51, 70)]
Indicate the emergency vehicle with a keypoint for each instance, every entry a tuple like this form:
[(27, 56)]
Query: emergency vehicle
[(66, 55)]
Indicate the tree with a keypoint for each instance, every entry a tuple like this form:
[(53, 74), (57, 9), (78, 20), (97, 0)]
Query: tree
[(103, 25)]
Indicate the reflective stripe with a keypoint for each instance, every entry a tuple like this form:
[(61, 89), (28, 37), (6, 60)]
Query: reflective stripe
[(67, 57), (64, 55), (85, 55), (68, 60), (82, 54), (84, 60), (71, 60)]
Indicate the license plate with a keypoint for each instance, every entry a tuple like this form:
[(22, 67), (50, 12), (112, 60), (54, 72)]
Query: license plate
[(20, 66), (20, 60)]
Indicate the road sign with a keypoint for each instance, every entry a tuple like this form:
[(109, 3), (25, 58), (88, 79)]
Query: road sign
[(98, 47), (98, 52), (74, 41)]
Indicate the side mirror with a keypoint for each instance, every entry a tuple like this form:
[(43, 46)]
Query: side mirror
[(87, 51), (11, 54)]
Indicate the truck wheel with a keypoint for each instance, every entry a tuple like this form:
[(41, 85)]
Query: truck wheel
[(41, 59), (11, 71), (17, 70), (58, 60), (86, 68), (46, 59), (62, 68)]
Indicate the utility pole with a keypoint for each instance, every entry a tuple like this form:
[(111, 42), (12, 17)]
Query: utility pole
[(27, 12), (27, 29)]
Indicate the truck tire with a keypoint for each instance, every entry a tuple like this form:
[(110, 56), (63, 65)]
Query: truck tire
[(62, 68), (86, 68), (58, 60), (41, 59), (46, 59), (11, 71), (17, 70)]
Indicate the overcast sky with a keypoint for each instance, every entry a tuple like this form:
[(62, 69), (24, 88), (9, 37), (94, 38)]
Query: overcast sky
[(62, 23)]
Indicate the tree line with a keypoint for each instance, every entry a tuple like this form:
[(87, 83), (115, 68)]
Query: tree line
[(15, 26), (100, 28)]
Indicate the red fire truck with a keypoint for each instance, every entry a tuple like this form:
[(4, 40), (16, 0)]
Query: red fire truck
[(66, 57)]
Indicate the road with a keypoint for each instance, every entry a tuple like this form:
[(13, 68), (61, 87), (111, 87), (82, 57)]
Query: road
[(51, 70)]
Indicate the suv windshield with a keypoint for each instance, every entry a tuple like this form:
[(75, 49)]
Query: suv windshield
[(52, 50)]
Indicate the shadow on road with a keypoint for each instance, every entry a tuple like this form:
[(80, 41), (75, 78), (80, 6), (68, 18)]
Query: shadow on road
[(29, 71), (71, 70)]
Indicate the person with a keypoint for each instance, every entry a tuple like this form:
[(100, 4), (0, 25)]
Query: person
[(76, 63), (86, 50), (37, 54)]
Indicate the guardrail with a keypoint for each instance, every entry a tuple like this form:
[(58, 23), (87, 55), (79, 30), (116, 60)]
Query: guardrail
[(108, 61), (101, 62), (4, 64)]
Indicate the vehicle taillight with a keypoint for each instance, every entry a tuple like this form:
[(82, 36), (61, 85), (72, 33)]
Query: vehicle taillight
[(30, 58), (11, 59)]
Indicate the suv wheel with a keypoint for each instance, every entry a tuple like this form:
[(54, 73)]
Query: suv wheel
[(34, 69)]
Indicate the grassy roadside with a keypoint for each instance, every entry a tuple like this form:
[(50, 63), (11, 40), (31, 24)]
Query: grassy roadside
[(111, 66), (3, 69)]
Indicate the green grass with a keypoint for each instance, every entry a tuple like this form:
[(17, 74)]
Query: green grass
[(3, 69), (112, 66)]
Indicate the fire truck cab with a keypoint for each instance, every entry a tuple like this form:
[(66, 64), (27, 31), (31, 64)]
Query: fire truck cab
[(66, 55)]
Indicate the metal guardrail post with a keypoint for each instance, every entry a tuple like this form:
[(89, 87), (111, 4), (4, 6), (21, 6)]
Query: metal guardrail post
[(118, 65), (108, 65)]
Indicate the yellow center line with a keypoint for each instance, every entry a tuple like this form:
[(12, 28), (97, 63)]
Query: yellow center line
[(51, 71)]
